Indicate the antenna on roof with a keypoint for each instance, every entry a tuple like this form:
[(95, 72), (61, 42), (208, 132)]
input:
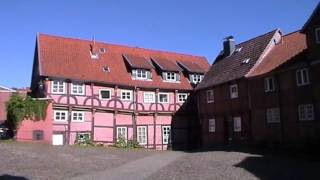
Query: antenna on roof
[(94, 40)]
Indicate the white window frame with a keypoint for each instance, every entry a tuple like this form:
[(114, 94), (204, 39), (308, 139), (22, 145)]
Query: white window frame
[(210, 96), (121, 129), (100, 96), (196, 78), (166, 137), (76, 114), (273, 115), (172, 75), (267, 86), (182, 99), (60, 112), (235, 94), (142, 135), (63, 85), (237, 124), (126, 91), (317, 35), (77, 86), (304, 79), (168, 99), (148, 99), (306, 112), (212, 125)]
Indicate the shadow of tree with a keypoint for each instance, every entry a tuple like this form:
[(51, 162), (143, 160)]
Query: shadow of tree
[(10, 177), (276, 167)]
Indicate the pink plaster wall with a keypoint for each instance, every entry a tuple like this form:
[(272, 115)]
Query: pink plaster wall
[(122, 119), (25, 130), (103, 119), (103, 134)]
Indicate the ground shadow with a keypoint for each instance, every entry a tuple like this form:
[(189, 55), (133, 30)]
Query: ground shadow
[(10, 177), (275, 167)]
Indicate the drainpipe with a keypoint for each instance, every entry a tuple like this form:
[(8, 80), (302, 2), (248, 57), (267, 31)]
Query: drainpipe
[(279, 105)]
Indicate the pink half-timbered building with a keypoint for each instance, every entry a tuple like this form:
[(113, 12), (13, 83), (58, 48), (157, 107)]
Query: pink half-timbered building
[(104, 91)]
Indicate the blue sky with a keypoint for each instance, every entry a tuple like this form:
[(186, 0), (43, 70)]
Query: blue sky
[(186, 26)]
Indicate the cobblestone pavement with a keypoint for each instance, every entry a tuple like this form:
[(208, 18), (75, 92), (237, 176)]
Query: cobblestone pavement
[(35, 161)]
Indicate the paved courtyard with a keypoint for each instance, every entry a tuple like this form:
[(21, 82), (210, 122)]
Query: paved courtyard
[(23, 161)]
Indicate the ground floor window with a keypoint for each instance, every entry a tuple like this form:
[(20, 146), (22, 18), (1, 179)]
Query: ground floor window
[(165, 134), (122, 132), (237, 124), (37, 135), (212, 125), (83, 137), (142, 135)]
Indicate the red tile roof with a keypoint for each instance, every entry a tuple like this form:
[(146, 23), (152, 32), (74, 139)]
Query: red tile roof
[(191, 67), (69, 58), (166, 64), (230, 68), (291, 46), (138, 62)]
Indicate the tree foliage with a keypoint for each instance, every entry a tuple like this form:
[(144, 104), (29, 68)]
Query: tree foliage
[(20, 108)]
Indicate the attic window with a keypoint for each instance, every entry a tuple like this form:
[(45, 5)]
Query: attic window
[(102, 50), (246, 61), (94, 55), (106, 69), (238, 49)]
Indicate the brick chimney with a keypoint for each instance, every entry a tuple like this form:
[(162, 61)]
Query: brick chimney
[(228, 46)]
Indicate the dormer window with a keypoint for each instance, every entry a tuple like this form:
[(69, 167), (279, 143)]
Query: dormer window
[(171, 76), (94, 55), (195, 78), (141, 74), (317, 32)]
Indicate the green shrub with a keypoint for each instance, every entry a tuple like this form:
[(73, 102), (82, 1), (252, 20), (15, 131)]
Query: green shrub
[(123, 143), (83, 140)]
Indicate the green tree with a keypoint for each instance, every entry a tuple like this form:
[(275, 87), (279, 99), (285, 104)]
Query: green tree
[(20, 108)]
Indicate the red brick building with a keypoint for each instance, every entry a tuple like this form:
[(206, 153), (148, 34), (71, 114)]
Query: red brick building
[(264, 90), (5, 94), (285, 89)]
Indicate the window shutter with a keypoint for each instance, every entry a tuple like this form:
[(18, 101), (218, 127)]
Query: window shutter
[(134, 73), (177, 76), (164, 75), (149, 76)]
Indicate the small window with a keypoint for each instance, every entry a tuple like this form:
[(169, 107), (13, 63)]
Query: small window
[(165, 134), (58, 87), (171, 76), (196, 78), (83, 137), (269, 84), (122, 133), (317, 32), (142, 135), (60, 115), (306, 112), (77, 88), (212, 125), (94, 55), (163, 98), (234, 91), (237, 124), (273, 115), (37, 135), (210, 96), (148, 97), (126, 95), (182, 97), (302, 76), (105, 94), (77, 116)]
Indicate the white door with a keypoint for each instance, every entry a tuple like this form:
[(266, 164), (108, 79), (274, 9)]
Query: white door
[(57, 139)]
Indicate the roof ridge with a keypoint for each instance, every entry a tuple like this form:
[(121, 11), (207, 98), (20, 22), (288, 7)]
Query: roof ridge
[(125, 46), (273, 31)]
